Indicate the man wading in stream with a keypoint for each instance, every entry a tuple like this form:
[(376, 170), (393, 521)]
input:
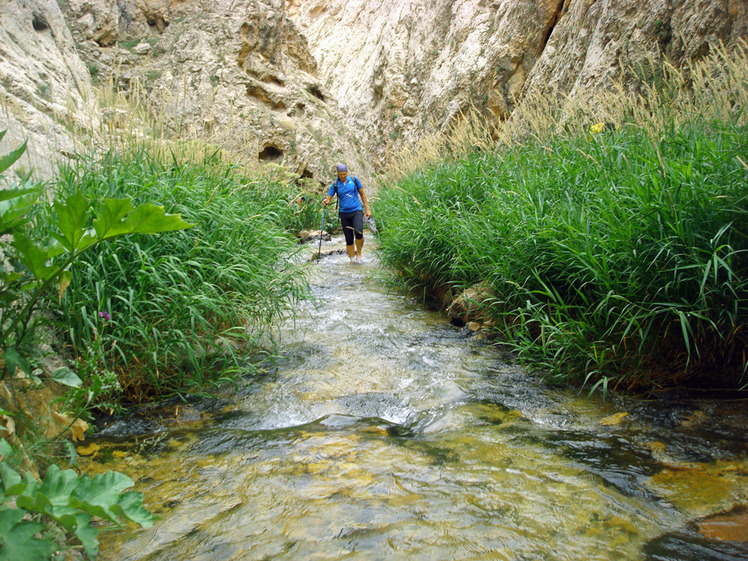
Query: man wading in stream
[(350, 196)]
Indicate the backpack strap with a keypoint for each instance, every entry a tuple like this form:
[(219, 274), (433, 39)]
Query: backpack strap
[(335, 185), (355, 180)]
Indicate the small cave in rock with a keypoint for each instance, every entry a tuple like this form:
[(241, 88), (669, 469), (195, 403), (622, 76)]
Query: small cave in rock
[(106, 40), (259, 93), (297, 110), (316, 92), (555, 16), (39, 22), (306, 174), (158, 22), (378, 93), (270, 154), (275, 80)]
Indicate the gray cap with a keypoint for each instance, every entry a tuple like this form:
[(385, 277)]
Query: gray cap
[(342, 167)]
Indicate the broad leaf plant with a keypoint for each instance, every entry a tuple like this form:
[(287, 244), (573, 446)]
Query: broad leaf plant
[(32, 269)]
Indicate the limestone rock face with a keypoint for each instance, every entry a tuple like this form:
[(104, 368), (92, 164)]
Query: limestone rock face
[(309, 83), (45, 88), (239, 74), (403, 67), (594, 42)]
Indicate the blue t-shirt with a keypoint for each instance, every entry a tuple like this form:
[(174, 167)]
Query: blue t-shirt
[(347, 194)]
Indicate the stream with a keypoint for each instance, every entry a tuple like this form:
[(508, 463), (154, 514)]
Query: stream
[(385, 432)]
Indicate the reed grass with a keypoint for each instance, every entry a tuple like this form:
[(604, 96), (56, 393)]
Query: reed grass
[(617, 259), (187, 308), (191, 308)]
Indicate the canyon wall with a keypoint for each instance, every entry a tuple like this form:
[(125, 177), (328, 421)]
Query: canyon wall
[(400, 68), (307, 83)]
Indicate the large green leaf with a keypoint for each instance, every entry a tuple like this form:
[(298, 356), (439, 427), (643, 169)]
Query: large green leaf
[(117, 220), (11, 158), (17, 192), (111, 213), (34, 257), (57, 487), (30, 485), (98, 494), (8, 519), (12, 480), (87, 534), (14, 205), (5, 448), (18, 541), (15, 360), (130, 506), (33, 502), (67, 377), (72, 216)]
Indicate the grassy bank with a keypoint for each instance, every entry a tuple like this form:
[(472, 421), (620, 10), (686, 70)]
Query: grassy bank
[(127, 278), (613, 257), (153, 315)]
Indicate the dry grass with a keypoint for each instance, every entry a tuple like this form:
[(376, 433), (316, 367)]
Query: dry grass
[(714, 88), (114, 119)]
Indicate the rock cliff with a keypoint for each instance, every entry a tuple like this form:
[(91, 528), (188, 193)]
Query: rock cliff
[(402, 67), (307, 83), (45, 88), (237, 73)]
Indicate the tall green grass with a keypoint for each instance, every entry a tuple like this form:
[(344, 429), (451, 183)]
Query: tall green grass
[(176, 312), (617, 258)]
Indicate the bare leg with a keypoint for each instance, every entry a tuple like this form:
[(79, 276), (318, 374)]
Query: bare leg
[(351, 251), (359, 246)]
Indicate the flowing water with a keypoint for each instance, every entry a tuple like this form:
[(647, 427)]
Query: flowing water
[(385, 433)]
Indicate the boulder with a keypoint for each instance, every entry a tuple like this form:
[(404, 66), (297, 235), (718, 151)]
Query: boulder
[(466, 307)]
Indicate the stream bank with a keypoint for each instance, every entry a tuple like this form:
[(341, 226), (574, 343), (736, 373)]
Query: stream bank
[(386, 432)]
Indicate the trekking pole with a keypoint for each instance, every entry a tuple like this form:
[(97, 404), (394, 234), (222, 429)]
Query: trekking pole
[(321, 232)]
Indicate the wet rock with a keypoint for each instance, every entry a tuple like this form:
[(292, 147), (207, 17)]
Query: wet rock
[(184, 415), (311, 235), (614, 419), (327, 253), (720, 537), (728, 526), (701, 489), (466, 308), (690, 547)]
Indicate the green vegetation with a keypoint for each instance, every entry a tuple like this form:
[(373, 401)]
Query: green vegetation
[(153, 75), (70, 500), (128, 44), (173, 313), (615, 258), (140, 316), (93, 70), (44, 91), (36, 266)]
